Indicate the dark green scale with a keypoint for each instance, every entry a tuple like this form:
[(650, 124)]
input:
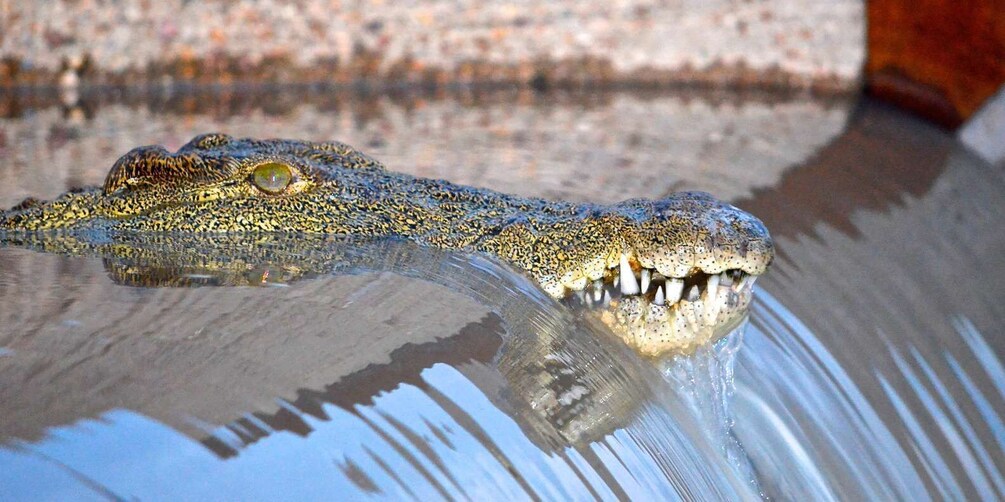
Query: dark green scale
[(219, 184)]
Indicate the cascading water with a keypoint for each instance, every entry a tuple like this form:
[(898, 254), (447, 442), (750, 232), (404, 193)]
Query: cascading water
[(870, 368), (705, 380)]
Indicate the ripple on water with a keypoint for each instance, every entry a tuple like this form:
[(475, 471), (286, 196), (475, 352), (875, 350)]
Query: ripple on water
[(870, 369)]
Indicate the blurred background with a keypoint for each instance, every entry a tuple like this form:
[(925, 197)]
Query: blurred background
[(780, 77), (943, 60), (869, 136)]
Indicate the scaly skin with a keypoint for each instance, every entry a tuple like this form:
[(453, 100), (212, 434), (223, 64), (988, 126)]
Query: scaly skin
[(208, 186)]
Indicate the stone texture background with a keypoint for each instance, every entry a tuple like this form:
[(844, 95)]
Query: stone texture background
[(801, 43)]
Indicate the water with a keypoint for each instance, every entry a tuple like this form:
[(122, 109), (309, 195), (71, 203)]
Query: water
[(870, 367)]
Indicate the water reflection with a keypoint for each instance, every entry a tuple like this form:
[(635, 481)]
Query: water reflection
[(600, 147), (549, 405), (871, 367), (885, 290)]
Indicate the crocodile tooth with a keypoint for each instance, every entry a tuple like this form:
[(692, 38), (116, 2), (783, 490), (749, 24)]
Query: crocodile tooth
[(660, 299), (712, 303), (598, 288), (725, 279), (712, 286), (629, 286), (674, 289), (645, 279), (693, 294)]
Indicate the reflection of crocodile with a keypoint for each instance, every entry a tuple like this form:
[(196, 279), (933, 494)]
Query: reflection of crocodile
[(684, 264), (564, 383)]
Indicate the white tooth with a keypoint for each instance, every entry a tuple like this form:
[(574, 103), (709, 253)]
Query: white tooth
[(645, 279), (660, 299), (692, 295), (712, 303), (605, 299), (725, 279), (674, 289), (598, 288), (629, 286), (713, 286)]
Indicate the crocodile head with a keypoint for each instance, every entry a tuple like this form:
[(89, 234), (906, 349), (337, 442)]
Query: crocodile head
[(670, 273)]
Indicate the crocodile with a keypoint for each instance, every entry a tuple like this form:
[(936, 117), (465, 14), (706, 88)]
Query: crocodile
[(670, 274)]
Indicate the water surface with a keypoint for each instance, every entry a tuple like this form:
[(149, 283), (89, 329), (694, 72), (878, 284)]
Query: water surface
[(870, 367)]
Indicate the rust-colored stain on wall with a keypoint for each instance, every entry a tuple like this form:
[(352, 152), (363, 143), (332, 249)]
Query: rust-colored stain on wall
[(939, 58)]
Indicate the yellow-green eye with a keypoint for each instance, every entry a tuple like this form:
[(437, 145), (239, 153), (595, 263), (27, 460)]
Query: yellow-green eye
[(272, 177)]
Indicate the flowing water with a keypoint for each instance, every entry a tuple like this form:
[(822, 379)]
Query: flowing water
[(870, 367)]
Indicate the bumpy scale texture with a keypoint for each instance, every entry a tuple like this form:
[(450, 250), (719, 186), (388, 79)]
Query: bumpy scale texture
[(209, 186)]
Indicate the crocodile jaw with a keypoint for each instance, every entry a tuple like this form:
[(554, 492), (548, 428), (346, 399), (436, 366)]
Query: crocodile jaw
[(672, 274), (659, 300), (679, 244), (670, 317)]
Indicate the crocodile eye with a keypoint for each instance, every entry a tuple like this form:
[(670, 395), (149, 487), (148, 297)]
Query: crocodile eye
[(272, 177)]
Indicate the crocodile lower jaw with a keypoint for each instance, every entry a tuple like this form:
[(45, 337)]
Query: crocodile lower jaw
[(658, 315)]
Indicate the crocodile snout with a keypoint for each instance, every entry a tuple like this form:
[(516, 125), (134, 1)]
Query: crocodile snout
[(672, 270)]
